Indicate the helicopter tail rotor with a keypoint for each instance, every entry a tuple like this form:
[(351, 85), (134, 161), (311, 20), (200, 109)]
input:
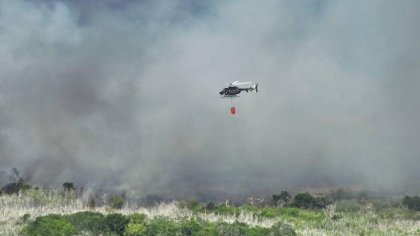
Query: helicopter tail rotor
[(255, 87)]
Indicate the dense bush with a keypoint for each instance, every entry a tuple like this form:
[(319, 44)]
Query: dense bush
[(137, 218), (227, 210), (282, 229), (188, 227), (116, 202), (258, 231), (412, 203), (136, 226), (89, 221), (235, 229), (208, 230), (161, 226), (135, 229), (281, 199), (307, 201), (239, 229), (116, 222), (49, 225)]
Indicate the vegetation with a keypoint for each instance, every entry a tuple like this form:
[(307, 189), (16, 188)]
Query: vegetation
[(89, 221), (134, 229), (116, 202), (118, 224), (412, 203), (281, 199), (281, 229), (49, 225), (307, 201), (68, 186), (44, 211), (15, 188)]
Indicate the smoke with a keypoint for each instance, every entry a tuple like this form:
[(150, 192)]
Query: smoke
[(124, 94)]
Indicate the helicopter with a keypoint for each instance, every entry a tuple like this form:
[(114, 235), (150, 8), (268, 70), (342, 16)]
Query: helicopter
[(234, 88)]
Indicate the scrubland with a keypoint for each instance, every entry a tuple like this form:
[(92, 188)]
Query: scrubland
[(47, 211)]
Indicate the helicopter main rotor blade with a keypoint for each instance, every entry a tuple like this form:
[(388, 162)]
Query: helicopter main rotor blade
[(241, 83)]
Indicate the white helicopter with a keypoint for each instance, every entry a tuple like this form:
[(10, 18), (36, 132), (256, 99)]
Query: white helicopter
[(237, 87)]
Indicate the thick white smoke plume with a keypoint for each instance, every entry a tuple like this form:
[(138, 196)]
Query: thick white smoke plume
[(124, 94)]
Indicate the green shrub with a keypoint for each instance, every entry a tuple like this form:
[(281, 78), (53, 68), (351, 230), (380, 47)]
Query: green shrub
[(292, 212), (89, 221), (282, 229), (235, 229), (116, 222), (412, 203), (227, 210), (348, 206), (116, 202), (268, 212), (307, 201), (161, 226), (188, 227), (137, 218), (49, 225), (208, 230), (135, 229), (257, 231)]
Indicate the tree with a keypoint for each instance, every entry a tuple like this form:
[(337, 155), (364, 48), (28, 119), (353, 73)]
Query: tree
[(281, 199), (68, 186), (15, 188), (17, 185), (412, 203), (307, 201)]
